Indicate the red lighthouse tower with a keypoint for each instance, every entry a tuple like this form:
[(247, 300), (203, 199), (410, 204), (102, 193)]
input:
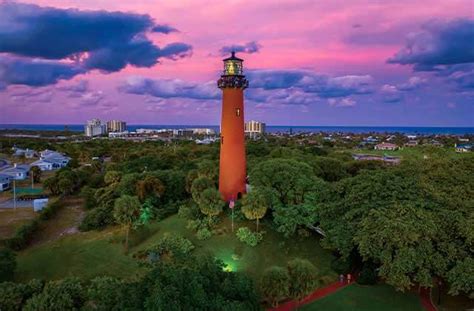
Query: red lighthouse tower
[(232, 166)]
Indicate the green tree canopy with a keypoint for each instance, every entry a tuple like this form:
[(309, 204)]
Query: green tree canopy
[(254, 205), (303, 277), (126, 213), (275, 285)]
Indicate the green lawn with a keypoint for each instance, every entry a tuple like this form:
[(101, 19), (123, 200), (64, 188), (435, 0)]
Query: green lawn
[(99, 253), (274, 250), (84, 254), (367, 298)]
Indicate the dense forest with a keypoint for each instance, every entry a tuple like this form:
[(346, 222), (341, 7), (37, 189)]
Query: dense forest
[(406, 225)]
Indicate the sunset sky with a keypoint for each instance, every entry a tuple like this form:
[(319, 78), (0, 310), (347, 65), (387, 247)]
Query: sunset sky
[(403, 62)]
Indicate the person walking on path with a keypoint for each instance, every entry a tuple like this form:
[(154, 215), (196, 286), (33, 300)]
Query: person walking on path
[(349, 276), (341, 278)]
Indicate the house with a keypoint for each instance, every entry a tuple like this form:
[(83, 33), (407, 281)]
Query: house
[(370, 157), (463, 147), (386, 146), (27, 153), (5, 182), (411, 143), (17, 171), (43, 165), (51, 160)]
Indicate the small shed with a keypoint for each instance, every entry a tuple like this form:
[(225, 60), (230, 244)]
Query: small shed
[(39, 204)]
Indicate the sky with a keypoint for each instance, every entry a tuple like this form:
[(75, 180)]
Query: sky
[(309, 62)]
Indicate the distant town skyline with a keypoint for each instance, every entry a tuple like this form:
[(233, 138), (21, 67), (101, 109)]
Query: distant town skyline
[(357, 63)]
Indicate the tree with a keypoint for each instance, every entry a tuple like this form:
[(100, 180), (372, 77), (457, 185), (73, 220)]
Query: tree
[(150, 185), (126, 213), (7, 264), (112, 177), (254, 205), (200, 283), (289, 180), (303, 277), (275, 285), (52, 185), (198, 186), (35, 172), (66, 294), (461, 278), (211, 203), (401, 239)]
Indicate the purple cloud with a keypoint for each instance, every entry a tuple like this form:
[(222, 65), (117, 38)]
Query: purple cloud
[(249, 48), (89, 40)]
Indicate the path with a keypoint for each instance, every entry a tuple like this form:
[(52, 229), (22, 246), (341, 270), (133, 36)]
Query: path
[(317, 294), (425, 297)]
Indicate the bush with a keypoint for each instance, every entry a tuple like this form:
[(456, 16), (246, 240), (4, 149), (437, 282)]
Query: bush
[(96, 219), (368, 274), (250, 238), (23, 236), (341, 265), (50, 210), (203, 234), (14, 295), (7, 264), (169, 247)]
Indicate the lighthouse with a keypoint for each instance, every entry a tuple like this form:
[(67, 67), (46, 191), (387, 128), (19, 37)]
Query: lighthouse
[(232, 164)]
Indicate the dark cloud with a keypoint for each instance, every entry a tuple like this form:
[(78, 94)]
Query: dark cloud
[(438, 43), (166, 29), (249, 48), (164, 88), (102, 40), (35, 72), (309, 82), (281, 87), (391, 94)]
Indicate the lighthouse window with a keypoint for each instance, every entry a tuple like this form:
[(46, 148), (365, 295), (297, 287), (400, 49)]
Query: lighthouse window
[(237, 112), (222, 140)]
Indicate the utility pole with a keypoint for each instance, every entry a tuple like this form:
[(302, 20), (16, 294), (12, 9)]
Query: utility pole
[(14, 195), (32, 179)]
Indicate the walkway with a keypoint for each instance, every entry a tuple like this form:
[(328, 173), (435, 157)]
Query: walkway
[(425, 297), (317, 294)]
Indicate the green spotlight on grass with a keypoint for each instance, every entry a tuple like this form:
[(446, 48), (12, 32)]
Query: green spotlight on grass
[(229, 267)]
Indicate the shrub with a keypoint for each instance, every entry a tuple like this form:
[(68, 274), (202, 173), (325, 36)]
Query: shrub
[(7, 264), (368, 274), (250, 238), (170, 247), (97, 218), (203, 234), (23, 235), (50, 210), (275, 285), (341, 265)]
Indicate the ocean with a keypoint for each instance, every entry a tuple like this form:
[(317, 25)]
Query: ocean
[(270, 128)]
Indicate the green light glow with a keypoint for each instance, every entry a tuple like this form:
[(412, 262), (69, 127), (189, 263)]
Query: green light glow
[(229, 267)]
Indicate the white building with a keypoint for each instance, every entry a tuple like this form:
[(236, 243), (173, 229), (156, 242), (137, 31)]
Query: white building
[(5, 181), (27, 153), (17, 171), (51, 160), (116, 126), (254, 129), (94, 127)]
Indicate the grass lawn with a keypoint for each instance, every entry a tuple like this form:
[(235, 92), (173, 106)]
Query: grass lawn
[(367, 298), (97, 253), (83, 254), (11, 219), (274, 250)]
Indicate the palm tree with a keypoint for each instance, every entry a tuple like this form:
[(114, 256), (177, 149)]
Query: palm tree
[(127, 212), (254, 206)]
